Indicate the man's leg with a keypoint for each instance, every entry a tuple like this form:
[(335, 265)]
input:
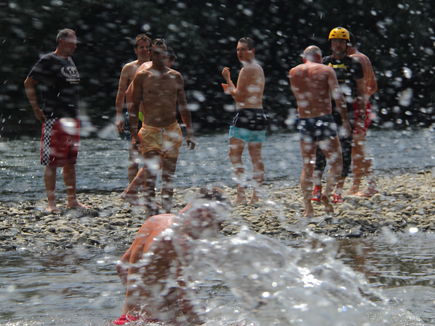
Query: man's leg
[(308, 150), (258, 169), (333, 154), (236, 150), (69, 177), (358, 162), (320, 166), (50, 186), (346, 149), (133, 163), (151, 168), (169, 164), (130, 193)]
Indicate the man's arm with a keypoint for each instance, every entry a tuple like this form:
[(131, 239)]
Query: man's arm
[(185, 303), (30, 87), (340, 102), (134, 108), (123, 84), (362, 101), (238, 93), (185, 112)]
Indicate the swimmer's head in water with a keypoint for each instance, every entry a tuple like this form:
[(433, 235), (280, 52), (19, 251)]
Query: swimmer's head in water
[(209, 209)]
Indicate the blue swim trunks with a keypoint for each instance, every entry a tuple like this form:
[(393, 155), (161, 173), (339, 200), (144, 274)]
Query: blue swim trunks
[(319, 128), (248, 136)]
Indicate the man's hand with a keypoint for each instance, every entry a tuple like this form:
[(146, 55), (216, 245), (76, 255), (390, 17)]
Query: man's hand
[(225, 87), (347, 128), (226, 73), (135, 140), (120, 123), (190, 140), (40, 115)]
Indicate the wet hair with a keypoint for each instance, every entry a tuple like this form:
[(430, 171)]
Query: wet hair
[(171, 54), (159, 41), (352, 39), (63, 34), (141, 37), (213, 193), (248, 41)]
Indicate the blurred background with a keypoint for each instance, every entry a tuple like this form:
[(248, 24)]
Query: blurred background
[(398, 37)]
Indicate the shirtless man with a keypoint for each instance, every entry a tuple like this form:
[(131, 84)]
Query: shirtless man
[(131, 193), (159, 88), (312, 84), (361, 163), (160, 251), (141, 48), (249, 124)]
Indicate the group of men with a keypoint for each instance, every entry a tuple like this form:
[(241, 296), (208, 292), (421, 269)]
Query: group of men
[(333, 132), (152, 91)]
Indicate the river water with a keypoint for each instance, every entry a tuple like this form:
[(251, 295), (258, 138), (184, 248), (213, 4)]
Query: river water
[(383, 280)]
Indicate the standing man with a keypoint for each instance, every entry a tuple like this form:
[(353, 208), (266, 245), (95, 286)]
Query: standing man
[(249, 124), (159, 88), (59, 81), (361, 163), (141, 48), (152, 269), (312, 84), (350, 77), (131, 193)]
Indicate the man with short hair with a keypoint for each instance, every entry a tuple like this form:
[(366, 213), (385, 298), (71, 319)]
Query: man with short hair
[(159, 88), (350, 77), (312, 84), (249, 124), (131, 193), (141, 48), (152, 269), (58, 80), (362, 163)]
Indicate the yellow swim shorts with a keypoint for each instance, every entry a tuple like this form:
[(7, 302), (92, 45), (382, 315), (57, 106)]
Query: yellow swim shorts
[(165, 141)]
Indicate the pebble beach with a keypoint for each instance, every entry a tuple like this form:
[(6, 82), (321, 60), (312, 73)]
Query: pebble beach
[(405, 203)]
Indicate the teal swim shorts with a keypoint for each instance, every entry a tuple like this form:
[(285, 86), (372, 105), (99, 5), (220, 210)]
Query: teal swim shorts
[(248, 136)]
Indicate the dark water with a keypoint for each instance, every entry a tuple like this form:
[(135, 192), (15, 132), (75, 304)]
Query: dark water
[(102, 163), (80, 286)]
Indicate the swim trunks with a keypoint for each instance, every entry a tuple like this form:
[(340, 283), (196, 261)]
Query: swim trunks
[(248, 136), (368, 112), (60, 141), (165, 141), (249, 125), (252, 119), (318, 128)]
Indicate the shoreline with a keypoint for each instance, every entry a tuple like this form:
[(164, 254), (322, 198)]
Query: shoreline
[(404, 201)]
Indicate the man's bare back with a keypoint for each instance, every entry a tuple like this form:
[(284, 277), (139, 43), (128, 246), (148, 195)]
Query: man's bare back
[(311, 84), (254, 75)]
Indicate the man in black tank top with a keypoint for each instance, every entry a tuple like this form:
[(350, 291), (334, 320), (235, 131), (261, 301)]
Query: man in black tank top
[(350, 77)]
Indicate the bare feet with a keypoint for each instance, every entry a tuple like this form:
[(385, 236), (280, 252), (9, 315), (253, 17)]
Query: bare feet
[(328, 207), (52, 208), (132, 199), (77, 205), (352, 191), (254, 199), (367, 193), (239, 200)]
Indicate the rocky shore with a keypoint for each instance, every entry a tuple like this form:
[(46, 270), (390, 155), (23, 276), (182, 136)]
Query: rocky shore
[(404, 203)]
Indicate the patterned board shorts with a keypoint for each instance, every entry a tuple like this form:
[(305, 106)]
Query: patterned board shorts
[(60, 141)]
